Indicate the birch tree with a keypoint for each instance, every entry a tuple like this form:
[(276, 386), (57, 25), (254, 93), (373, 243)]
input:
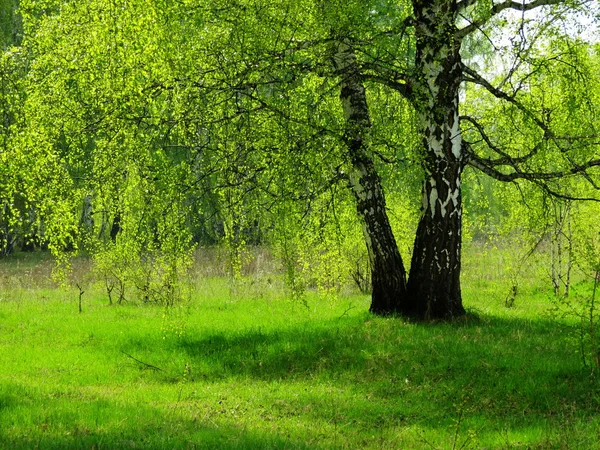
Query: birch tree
[(431, 79), (432, 83)]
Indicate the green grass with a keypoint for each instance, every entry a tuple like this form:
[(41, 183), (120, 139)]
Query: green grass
[(247, 368)]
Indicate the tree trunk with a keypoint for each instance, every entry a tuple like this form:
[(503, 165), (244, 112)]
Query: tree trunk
[(434, 280), (388, 275)]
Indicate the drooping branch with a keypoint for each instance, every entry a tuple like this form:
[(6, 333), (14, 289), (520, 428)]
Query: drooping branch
[(497, 8), (517, 164), (474, 77), (555, 194), (505, 158), (490, 168)]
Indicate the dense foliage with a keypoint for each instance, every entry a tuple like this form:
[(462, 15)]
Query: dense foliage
[(136, 130)]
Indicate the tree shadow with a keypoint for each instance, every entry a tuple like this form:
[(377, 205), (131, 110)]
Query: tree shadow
[(71, 427), (496, 368), (356, 374), (203, 437)]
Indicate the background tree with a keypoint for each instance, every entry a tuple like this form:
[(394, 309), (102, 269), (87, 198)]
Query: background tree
[(14, 210)]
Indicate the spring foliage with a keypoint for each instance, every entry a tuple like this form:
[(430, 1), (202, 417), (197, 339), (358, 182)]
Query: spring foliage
[(134, 130)]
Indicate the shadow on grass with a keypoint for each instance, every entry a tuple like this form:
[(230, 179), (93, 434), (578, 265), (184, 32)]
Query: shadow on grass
[(203, 437), (496, 368), (357, 376), (93, 423)]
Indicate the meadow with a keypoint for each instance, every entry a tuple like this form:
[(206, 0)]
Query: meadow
[(243, 366)]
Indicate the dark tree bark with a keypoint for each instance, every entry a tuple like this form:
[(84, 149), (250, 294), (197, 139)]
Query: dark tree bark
[(434, 281), (388, 275), (115, 229)]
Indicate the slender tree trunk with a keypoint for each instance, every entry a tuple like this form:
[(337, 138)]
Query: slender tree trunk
[(434, 280), (388, 275)]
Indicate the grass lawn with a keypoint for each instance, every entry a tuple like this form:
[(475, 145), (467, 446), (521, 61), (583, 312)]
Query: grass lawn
[(249, 368)]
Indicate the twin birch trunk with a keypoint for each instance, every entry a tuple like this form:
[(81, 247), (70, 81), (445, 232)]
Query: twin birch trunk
[(433, 289)]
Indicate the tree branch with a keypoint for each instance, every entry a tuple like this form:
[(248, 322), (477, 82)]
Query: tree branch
[(476, 78), (555, 194), (149, 366), (505, 159), (539, 178), (497, 9), (400, 85)]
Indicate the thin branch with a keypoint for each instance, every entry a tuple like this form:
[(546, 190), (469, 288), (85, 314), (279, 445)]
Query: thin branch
[(399, 85), (505, 159), (487, 166), (476, 78), (485, 137), (497, 9), (149, 366), (347, 309), (387, 160), (555, 194), (538, 178), (480, 163), (548, 134), (485, 34), (504, 178)]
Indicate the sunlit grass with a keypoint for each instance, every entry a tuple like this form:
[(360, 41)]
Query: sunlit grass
[(245, 367)]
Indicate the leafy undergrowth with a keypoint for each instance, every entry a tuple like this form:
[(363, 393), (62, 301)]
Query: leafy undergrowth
[(233, 371)]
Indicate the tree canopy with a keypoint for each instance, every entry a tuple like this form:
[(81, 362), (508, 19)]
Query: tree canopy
[(133, 129)]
